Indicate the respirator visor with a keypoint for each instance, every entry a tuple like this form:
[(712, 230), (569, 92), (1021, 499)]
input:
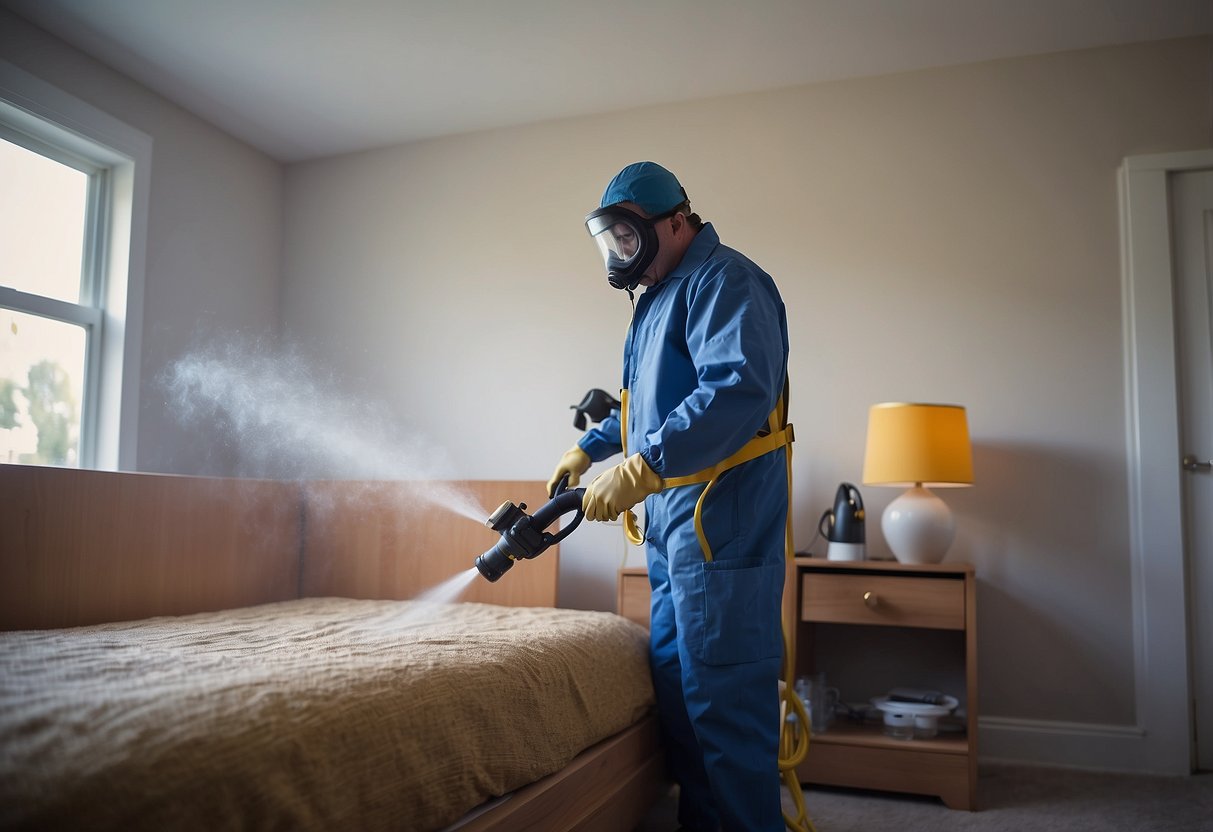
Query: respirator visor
[(627, 242)]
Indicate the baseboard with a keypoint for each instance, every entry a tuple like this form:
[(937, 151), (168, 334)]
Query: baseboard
[(1066, 744)]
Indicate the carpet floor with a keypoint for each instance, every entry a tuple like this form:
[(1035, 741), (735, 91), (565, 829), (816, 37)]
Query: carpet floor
[(1012, 799)]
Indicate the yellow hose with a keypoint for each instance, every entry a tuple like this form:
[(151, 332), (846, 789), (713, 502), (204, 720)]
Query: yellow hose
[(794, 725), (793, 744)]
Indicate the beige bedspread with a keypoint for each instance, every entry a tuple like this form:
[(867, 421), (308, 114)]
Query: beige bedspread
[(314, 714)]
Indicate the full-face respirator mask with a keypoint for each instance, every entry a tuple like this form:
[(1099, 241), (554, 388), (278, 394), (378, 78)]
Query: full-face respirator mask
[(627, 238), (627, 241)]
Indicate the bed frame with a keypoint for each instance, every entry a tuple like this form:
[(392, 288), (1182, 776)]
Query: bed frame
[(88, 547)]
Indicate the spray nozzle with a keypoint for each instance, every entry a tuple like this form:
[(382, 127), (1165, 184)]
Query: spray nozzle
[(523, 535)]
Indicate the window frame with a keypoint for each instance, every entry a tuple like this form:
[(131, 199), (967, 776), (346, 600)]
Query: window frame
[(117, 159)]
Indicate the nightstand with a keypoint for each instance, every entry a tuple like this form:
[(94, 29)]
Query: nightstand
[(874, 625)]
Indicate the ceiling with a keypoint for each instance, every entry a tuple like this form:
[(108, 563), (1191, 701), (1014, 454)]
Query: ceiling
[(301, 79)]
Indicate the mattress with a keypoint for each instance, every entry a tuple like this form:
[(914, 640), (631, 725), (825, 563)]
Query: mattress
[(320, 713)]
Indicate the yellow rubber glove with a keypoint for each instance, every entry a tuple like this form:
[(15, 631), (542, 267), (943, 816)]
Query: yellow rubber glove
[(618, 489), (575, 462)]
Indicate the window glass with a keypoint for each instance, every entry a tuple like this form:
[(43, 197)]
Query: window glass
[(41, 389), (42, 215), (74, 184)]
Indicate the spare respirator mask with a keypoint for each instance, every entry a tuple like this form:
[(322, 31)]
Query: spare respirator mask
[(627, 241)]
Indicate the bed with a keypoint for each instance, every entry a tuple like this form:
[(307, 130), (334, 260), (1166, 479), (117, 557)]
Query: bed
[(185, 652)]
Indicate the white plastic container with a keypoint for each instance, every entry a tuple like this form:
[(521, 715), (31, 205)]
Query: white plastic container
[(913, 720)]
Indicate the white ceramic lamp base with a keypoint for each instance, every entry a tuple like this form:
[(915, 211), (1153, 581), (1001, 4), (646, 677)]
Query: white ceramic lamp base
[(918, 526)]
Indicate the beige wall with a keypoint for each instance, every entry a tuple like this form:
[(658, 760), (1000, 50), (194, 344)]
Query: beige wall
[(213, 239), (948, 235)]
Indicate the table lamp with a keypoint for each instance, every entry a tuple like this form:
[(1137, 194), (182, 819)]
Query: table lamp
[(921, 446)]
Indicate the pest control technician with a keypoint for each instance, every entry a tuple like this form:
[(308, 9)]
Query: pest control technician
[(704, 376)]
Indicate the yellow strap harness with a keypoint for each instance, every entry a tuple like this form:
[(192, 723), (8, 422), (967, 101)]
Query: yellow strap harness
[(777, 434)]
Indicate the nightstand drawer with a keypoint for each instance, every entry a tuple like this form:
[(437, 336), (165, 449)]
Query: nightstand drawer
[(901, 601)]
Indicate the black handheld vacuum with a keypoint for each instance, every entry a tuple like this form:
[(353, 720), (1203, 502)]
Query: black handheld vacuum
[(842, 526), (523, 535)]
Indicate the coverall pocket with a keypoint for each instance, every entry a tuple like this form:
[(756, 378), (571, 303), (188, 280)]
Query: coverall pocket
[(740, 612)]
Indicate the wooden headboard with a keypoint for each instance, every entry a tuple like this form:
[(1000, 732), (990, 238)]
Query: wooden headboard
[(84, 547)]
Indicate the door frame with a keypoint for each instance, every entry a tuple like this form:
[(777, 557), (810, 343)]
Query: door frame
[(1162, 677)]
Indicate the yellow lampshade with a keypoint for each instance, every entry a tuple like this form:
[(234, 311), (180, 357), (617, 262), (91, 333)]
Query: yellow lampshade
[(918, 443)]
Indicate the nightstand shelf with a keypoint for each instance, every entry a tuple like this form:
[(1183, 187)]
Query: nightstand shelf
[(873, 736), (874, 625)]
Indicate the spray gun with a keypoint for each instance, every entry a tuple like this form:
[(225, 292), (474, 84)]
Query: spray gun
[(523, 535)]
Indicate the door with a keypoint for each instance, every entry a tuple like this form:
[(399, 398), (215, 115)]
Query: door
[(1192, 224)]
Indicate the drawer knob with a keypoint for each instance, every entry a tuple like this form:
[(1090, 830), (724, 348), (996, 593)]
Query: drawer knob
[(870, 599)]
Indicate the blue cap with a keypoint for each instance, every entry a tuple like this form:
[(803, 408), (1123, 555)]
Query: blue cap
[(646, 184)]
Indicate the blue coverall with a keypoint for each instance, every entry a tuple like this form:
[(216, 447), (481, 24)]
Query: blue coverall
[(704, 363)]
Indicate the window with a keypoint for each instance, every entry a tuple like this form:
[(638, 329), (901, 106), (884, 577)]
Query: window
[(52, 215), (73, 185)]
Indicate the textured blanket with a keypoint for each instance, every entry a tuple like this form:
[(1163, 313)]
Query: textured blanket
[(314, 714)]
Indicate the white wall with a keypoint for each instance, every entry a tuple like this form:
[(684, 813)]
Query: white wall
[(948, 235), (214, 236)]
